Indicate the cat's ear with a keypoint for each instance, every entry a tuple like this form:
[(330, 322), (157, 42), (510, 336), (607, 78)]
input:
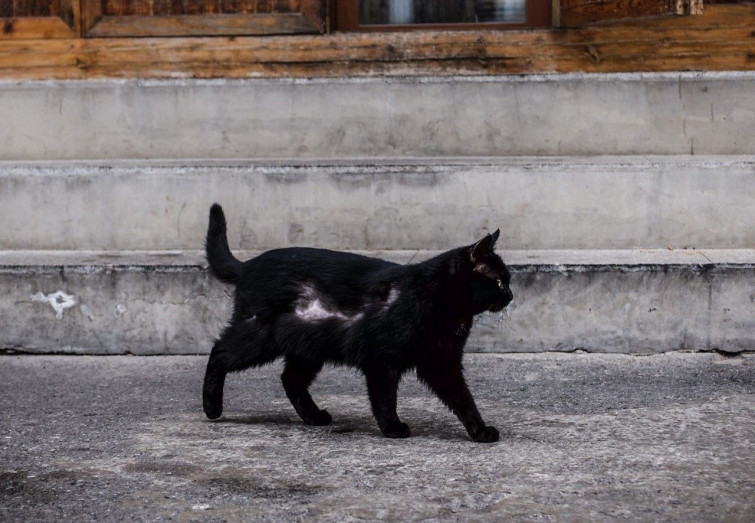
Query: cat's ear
[(484, 247)]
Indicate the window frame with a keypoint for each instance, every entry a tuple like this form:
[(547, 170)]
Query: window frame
[(345, 18)]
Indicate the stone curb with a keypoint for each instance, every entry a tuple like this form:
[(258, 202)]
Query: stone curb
[(607, 301)]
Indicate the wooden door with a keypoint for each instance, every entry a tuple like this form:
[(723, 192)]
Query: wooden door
[(201, 17)]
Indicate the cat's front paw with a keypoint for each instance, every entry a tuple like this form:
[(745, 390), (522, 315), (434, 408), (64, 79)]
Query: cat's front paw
[(486, 434), (396, 430)]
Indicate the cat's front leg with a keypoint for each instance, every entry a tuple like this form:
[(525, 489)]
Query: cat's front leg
[(382, 387), (446, 379)]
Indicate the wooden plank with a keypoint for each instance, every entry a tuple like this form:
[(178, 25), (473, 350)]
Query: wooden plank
[(200, 7), (142, 18), (37, 8), (26, 28), (578, 13), (721, 39), (110, 7), (31, 19), (231, 25), (575, 13), (689, 7), (197, 7)]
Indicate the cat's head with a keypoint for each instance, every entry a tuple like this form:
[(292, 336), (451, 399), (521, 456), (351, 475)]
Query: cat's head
[(483, 276)]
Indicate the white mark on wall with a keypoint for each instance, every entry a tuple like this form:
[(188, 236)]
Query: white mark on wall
[(86, 311), (59, 301), (119, 310)]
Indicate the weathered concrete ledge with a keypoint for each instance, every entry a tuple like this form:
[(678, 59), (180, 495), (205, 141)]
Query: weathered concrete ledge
[(538, 203), (571, 114), (608, 301)]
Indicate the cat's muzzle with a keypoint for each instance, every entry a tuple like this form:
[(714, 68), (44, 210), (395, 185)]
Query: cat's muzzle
[(505, 300), (498, 307)]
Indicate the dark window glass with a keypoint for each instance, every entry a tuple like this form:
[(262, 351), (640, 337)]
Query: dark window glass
[(402, 12)]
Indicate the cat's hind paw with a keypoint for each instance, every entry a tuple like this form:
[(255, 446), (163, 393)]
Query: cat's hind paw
[(213, 410), (396, 430), (486, 434), (322, 417)]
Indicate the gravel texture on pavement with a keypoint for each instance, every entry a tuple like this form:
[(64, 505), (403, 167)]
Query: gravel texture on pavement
[(583, 437)]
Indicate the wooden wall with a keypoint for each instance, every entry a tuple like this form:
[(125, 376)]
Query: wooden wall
[(722, 38)]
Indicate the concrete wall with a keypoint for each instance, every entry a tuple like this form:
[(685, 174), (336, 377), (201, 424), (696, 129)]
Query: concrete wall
[(617, 301), (567, 203), (585, 162), (593, 114)]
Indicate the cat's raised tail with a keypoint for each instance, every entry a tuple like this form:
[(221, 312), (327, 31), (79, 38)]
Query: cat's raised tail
[(223, 264)]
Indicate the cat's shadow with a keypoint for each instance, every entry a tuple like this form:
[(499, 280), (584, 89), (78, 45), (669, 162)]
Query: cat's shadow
[(355, 427), (283, 420), (257, 419)]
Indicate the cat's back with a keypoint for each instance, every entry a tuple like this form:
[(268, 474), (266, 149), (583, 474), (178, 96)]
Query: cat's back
[(284, 279), (323, 266), (307, 259)]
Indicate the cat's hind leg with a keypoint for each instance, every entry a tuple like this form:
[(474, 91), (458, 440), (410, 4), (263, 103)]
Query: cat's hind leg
[(242, 345), (298, 375), (382, 387)]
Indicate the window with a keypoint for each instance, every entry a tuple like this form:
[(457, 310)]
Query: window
[(381, 15)]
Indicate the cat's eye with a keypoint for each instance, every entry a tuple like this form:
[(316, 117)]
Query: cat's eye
[(500, 283)]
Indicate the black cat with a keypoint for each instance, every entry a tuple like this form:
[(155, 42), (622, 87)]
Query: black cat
[(313, 306)]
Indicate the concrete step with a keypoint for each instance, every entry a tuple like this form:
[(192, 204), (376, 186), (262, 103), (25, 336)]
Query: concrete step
[(538, 203), (631, 301), (551, 115)]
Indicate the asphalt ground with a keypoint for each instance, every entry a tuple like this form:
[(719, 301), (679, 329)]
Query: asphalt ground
[(596, 437)]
